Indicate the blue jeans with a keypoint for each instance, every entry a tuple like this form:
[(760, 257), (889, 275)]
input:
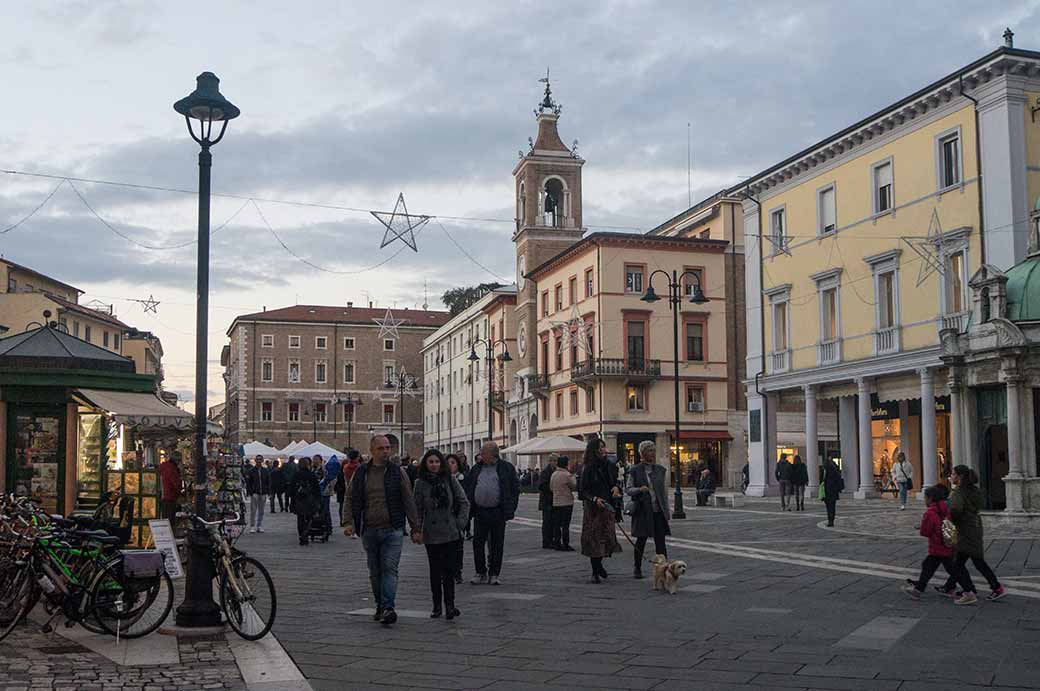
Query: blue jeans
[(902, 493), (383, 547)]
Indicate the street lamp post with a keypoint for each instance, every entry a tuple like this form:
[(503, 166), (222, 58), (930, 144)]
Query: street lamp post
[(348, 412), (206, 105), (402, 384), (489, 345), (438, 360), (675, 296)]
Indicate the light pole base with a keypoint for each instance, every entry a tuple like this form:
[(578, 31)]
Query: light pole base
[(198, 608), (678, 511)]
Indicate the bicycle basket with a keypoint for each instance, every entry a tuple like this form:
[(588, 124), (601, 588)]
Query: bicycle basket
[(143, 564)]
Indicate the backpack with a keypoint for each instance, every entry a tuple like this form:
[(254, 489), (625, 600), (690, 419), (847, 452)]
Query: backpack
[(949, 532)]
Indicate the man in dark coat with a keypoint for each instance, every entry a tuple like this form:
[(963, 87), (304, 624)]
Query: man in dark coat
[(646, 488), (705, 486), (493, 489), (833, 485), (783, 477)]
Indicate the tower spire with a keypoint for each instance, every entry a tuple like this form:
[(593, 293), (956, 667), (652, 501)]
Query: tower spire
[(548, 104)]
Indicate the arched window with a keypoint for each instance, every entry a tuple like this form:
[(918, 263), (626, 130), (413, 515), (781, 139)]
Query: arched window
[(554, 205)]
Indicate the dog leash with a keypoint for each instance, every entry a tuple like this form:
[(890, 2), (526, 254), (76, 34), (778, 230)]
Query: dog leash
[(619, 525)]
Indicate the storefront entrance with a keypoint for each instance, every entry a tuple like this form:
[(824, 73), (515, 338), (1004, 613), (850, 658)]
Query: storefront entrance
[(36, 449), (628, 446), (992, 412)]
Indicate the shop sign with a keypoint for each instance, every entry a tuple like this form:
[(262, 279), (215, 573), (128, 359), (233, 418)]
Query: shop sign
[(162, 535)]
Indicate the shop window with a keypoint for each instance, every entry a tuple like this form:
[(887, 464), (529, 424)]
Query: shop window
[(321, 342), (320, 370), (348, 373), (321, 412), (294, 371), (348, 343), (588, 283), (266, 411), (267, 341), (294, 341), (574, 403), (388, 413), (294, 412), (267, 371), (635, 397), (633, 279), (695, 399)]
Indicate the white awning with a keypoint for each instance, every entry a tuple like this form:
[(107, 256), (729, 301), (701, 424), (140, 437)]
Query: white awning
[(139, 410)]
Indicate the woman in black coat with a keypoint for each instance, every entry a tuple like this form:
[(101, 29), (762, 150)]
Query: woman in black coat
[(306, 496), (833, 485), (277, 486), (598, 490)]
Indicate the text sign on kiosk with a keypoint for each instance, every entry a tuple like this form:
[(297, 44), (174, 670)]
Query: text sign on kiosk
[(162, 535)]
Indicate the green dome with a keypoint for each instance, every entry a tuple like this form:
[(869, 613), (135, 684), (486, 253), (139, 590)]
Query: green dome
[(1023, 291)]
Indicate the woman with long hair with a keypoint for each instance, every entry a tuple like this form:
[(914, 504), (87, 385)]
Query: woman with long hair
[(965, 503), (443, 507), (598, 490)]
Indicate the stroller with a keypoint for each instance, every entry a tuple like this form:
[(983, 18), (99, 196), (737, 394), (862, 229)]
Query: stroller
[(319, 530)]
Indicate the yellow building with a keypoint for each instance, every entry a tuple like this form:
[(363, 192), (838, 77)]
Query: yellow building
[(860, 251)]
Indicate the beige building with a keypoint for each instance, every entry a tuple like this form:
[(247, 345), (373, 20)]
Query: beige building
[(456, 400), (145, 349), (310, 371)]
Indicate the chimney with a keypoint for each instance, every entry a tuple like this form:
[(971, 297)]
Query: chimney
[(350, 304), (369, 304), (1009, 37)]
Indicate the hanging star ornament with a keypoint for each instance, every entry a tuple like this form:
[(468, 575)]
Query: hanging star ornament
[(388, 325), (930, 250), (574, 331), (400, 225), (406, 383), (150, 304)]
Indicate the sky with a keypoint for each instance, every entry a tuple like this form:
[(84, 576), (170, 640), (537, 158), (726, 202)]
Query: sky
[(348, 104)]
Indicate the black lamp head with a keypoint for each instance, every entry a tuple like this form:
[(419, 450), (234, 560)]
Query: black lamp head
[(650, 295), (206, 102)]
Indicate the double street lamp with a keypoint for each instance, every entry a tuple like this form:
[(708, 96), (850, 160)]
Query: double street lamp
[(490, 346), (675, 298), (402, 384), (207, 106)]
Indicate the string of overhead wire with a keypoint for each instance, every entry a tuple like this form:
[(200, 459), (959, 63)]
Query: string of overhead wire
[(470, 256)]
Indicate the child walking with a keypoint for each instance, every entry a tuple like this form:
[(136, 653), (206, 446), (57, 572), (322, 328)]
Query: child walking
[(939, 553)]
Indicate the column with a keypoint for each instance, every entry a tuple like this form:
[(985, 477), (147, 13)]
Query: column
[(849, 440), (866, 445), (812, 455), (1014, 424), (761, 450), (929, 455), (956, 422)]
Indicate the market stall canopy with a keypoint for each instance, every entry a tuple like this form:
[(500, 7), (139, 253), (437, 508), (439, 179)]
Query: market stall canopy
[(521, 447), (255, 448), (552, 444), (291, 448), (317, 448), (144, 411)]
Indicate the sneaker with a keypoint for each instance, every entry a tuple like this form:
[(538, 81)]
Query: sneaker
[(495, 580), (479, 579), (259, 530), (946, 592), (252, 530), (378, 615), (912, 591), (389, 617), (997, 594), (966, 598), (902, 508)]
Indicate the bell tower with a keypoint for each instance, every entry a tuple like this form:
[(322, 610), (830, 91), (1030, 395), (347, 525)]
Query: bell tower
[(548, 216)]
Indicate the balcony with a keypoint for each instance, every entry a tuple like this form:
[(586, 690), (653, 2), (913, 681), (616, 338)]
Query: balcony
[(538, 384), (957, 321), (828, 352), (779, 361), (498, 400), (886, 340), (629, 369)]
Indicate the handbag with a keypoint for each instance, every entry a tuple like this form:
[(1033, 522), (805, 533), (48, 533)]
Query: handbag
[(908, 481), (821, 493)]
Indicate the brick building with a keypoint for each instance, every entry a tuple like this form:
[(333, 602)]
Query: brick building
[(292, 373)]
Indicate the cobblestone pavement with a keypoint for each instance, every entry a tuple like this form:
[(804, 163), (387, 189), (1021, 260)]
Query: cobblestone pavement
[(30, 661), (771, 600)]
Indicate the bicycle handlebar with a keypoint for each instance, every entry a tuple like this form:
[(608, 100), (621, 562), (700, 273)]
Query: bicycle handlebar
[(221, 521)]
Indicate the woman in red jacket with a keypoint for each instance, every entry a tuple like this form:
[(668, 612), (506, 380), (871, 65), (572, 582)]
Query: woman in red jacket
[(938, 552)]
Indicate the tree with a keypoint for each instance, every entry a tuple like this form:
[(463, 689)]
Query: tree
[(458, 299)]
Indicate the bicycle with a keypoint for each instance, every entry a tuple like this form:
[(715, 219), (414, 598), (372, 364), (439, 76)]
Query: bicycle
[(247, 594)]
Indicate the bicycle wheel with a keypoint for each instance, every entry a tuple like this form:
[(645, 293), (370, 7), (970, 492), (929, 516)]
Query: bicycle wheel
[(18, 596), (128, 606), (248, 599)]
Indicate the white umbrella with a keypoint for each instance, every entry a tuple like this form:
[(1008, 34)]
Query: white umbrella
[(520, 447), (553, 444)]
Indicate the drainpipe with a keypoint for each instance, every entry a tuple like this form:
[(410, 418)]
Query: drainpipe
[(978, 167), (599, 336)]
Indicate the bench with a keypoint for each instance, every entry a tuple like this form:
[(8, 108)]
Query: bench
[(726, 500)]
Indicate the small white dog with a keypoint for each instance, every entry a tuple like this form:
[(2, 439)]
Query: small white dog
[(667, 573)]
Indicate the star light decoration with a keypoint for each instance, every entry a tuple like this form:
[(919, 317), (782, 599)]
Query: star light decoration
[(149, 305), (930, 250), (405, 382), (400, 225), (388, 325), (575, 331)]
